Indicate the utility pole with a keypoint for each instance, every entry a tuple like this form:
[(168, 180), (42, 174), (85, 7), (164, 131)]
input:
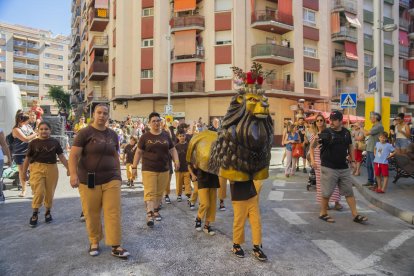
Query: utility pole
[(378, 52), (168, 37)]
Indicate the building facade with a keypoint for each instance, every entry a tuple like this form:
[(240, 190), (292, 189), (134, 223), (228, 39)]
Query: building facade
[(317, 51), (34, 60)]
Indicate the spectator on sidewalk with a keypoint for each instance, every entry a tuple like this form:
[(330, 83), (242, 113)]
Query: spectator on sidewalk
[(80, 125), (336, 147), (359, 145), (4, 151), (95, 169), (37, 110), (304, 140), (383, 151), (292, 138), (373, 134), (402, 135)]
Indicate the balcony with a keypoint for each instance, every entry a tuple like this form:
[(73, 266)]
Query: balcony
[(273, 54), (98, 19), (388, 74), (26, 55), (24, 44), (98, 71), (25, 77), (281, 85), (369, 17), (403, 74), (404, 23), (345, 34), (405, 3), (99, 43), (197, 57), (344, 64), (403, 98), (29, 88), (26, 66), (196, 86), (344, 6), (337, 91), (75, 70), (75, 83), (404, 50), (194, 22), (272, 21)]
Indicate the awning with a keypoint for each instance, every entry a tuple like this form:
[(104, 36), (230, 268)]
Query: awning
[(353, 20), (19, 37), (101, 4), (285, 7), (351, 50), (253, 5), (410, 65), (403, 38), (185, 43), (184, 5), (184, 72), (335, 23)]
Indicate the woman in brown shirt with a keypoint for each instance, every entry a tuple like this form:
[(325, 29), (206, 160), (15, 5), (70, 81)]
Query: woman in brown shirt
[(155, 147), (95, 169)]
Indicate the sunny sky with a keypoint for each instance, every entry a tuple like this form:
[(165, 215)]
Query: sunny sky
[(53, 15)]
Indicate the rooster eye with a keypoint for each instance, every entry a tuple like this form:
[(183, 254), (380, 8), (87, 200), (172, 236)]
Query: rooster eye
[(254, 100)]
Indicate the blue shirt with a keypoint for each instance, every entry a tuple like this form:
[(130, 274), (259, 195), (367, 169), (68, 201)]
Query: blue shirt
[(382, 151), (292, 137)]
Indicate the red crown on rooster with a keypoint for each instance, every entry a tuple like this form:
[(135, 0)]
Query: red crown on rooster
[(251, 81)]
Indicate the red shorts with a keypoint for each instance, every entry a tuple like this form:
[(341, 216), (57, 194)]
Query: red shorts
[(381, 169), (358, 156)]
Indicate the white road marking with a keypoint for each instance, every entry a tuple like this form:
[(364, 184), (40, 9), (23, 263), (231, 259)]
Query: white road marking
[(279, 183), (341, 257), (289, 216), (341, 212), (391, 245), (276, 195)]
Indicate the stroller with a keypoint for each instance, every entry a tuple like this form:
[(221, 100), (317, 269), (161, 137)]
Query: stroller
[(12, 173), (312, 179)]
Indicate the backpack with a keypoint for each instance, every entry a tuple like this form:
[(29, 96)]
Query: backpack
[(10, 141)]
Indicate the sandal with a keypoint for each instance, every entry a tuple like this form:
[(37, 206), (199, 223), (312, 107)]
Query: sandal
[(327, 218), (157, 214), (48, 217), (119, 252), (360, 219), (258, 253), (94, 251), (150, 219), (237, 250)]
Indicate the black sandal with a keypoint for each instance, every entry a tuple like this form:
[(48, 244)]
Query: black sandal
[(237, 250), (119, 252), (33, 220), (258, 253), (150, 219), (360, 219), (94, 251), (327, 218), (48, 217)]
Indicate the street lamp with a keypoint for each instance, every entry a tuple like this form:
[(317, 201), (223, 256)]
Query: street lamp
[(168, 37)]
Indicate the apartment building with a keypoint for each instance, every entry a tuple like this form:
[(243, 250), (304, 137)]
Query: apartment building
[(34, 60), (316, 52)]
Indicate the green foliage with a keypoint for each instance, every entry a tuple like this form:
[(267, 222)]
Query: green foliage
[(58, 95)]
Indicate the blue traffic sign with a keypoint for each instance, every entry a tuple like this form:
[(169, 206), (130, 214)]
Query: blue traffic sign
[(349, 100), (372, 80)]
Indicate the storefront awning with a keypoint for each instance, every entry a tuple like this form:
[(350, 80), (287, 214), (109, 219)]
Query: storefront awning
[(351, 50), (353, 20), (335, 23), (184, 5), (184, 72), (185, 43), (101, 4)]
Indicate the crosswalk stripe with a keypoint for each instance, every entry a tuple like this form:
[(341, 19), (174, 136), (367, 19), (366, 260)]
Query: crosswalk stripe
[(279, 183), (276, 195), (289, 216)]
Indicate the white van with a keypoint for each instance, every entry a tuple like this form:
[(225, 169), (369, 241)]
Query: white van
[(10, 102)]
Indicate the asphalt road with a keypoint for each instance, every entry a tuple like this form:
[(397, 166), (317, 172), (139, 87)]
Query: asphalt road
[(295, 240)]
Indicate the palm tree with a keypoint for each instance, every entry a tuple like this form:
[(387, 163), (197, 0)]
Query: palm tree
[(58, 95)]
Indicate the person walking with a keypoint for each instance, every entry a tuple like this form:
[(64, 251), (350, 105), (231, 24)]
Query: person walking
[(315, 156), (128, 159), (4, 151), (155, 148), (373, 134), (164, 128), (182, 176), (402, 135), (95, 169), (291, 138), (336, 147), (22, 134), (44, 173)]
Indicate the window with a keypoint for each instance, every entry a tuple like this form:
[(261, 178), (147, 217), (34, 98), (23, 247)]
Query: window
[(223, 71), (387, 10), (223, 37), (310, 51), (147, 43), (338, 87), (368, 29), (368, 5), (148, 12), (53, 56), (388, 62), (388, 37), (223, 5), (53, 77), (368, 59), (53, 66), (2, 58), (309, 79), (309, 17), (147, 74)]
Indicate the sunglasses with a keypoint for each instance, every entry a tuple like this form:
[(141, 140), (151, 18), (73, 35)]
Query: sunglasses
[(320, 121), (156, 121)]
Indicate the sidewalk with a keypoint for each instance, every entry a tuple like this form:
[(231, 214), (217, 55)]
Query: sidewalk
[(398, 199)]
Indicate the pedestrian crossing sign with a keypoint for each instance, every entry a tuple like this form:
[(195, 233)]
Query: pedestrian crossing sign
[(348, 100)]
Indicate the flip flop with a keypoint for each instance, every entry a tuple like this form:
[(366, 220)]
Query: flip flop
[(327, 218), (360, 219)]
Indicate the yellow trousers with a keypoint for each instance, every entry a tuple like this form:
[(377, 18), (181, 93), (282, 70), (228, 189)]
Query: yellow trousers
[(106, 198), (154, 186), (168, 187), (182, 179), (43, 180), (194, 195), (130, 175), (243, 210), (222, 191), (207, 209)]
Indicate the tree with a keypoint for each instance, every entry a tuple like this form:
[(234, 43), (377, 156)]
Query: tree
[(58, 95)]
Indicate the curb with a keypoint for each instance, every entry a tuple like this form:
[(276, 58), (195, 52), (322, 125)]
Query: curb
[(404, 215)]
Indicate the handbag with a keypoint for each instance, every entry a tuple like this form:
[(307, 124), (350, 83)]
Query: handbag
[(297, 150), (360, 145)]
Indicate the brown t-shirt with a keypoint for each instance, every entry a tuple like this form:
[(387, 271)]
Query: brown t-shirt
[(44, 150), (129, 152), (182, 152), (99, 155), (155, 151)]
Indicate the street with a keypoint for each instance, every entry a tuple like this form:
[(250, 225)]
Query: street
[(294, 239)]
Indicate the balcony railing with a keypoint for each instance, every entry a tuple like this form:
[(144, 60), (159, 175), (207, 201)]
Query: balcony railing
[(404, 50), (26, 55), (403, 73), (310, 84), (281, 85), (404, 23), (29, 88), (411, 52), (405, 3), (262, 50), (196, 86), (404, 98), (199, 54), (99, 41), (338, 90), (342, 61), (388, 74), (345, 34), (98, 70), (345, 5), (276, 16), (187, 21), (24, 76), (25, 66)]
